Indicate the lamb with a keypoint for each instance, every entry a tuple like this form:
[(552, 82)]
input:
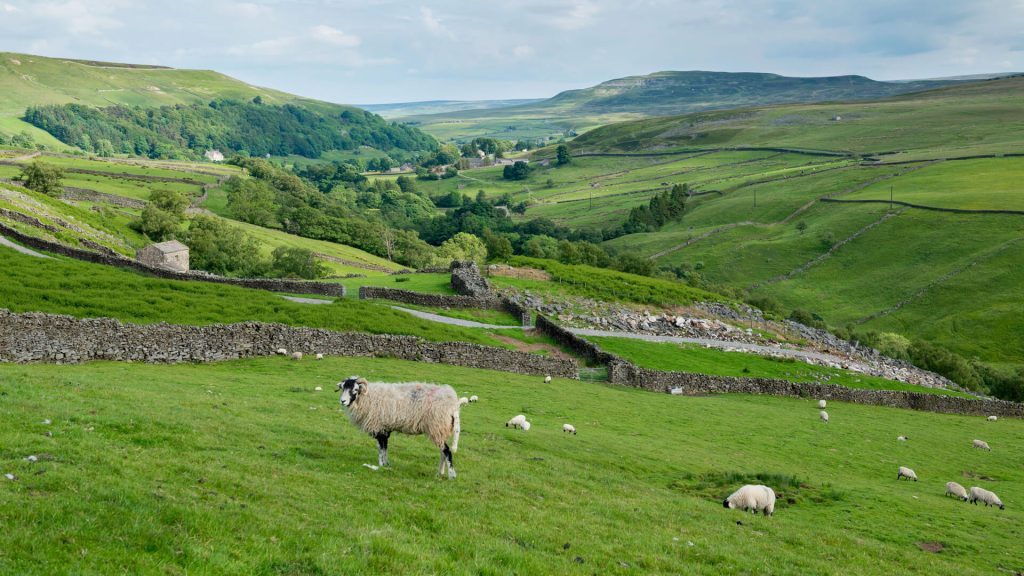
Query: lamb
[(463, 401), (824, 416), (282, 352), (319, 356), (981, 444), (410, 408), (547, 379), (569, 428), (993, 418), (752, 497), (474, 398), (952, 488), (821, 404), (296, 356), (989, 498), (907, 473), (516, 421), (901, 438)]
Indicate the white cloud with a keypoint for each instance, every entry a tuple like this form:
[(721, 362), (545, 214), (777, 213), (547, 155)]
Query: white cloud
[(433, 23), (580, 14), (333, 36), (522, 51)]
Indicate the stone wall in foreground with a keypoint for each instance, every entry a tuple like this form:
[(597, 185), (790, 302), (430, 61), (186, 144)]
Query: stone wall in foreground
[(51, 338)]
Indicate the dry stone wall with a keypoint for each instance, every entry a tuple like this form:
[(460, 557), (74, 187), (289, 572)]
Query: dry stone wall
[(112, 259), (621, 372), (51, 338)]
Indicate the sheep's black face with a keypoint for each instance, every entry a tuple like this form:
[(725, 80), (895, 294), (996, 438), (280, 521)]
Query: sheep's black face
[(350, 390)]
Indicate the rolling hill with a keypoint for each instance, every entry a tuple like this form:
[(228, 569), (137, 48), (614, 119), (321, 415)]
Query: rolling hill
[(657, 94), (36, 81)]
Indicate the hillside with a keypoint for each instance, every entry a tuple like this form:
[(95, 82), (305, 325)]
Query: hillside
[(34, 81), (657, 94)]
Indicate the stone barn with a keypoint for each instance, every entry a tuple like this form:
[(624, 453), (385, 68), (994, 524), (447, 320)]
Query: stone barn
[(172, 255)]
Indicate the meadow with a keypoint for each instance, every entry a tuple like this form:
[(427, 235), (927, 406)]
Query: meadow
[(243, 467)]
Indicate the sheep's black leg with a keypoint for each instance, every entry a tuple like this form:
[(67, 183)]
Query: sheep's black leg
[(446, 453), (382, 448)]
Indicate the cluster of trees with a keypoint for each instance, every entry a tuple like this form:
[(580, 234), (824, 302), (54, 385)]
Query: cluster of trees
[(661, 209), (20, 140), (43, 178), (186, 131)]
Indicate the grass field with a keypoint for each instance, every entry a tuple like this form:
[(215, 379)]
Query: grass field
[(241, 467), (694, 358), (64, 286)]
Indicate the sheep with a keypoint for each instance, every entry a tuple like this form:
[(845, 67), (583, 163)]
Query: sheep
[(752, 497), (516, 421), (319, 356), (410, 408), (993, 418), (282, 352), (296, 356), (569, 428), (822, 404), (474, 398), (954, 489), (526, 425), (982, 444), (989, 498), (901, 438), (824, 416), (907, 473), (547, 379)]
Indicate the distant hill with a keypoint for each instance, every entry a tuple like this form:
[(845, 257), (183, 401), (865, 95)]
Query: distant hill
[(27, 80), (658, 94), (399, 109)]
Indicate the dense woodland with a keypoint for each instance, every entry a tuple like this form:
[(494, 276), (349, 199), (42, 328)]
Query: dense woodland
[(227, 125)]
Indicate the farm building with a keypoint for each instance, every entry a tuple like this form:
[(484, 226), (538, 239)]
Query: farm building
[(171, 255)]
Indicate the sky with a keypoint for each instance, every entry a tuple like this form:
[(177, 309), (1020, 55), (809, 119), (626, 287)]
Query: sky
[(379, 51)]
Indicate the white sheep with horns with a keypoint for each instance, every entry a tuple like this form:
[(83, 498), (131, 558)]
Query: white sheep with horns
[(954, 489), (907, 473), (986, 496), (410, 408), (981, 444), (753, 497)]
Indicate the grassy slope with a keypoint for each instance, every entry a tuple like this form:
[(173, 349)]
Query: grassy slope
[(693, 358), (241, 467), (985, 116), (65, 286)]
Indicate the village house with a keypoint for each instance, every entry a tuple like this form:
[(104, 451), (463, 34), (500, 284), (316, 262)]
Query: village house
[(171, 255)]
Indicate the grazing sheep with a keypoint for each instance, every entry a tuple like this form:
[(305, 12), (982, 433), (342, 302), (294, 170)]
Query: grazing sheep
[(516, 421), (463, 401), (547, 379), (989, 498), (296, 356), (822, 404), (526, 425), (752, 497), (569, 428), (993, 418), (410, 408), (282, 352), (952, 488), (907, 473), (319, 356), (474, 398), (901, 438), (824, 416), (982, 444)]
